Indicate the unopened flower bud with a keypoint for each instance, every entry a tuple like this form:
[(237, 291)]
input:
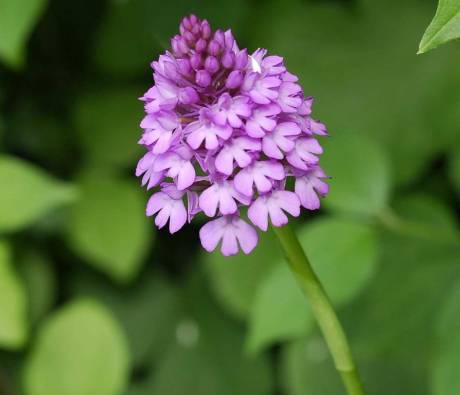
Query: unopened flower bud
[(211, 64), (186, 23), (189, 38), (196, 61), (229, 40), (228, 60), (214, 48), (241, 59), (219, 37), (234, 79), (201, 45), (182, 46), (203, 78), (188, 95), (193, 19), (205, 30), (184, 67)]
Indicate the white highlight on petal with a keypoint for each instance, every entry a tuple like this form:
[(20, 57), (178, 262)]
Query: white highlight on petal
[(255, 65)]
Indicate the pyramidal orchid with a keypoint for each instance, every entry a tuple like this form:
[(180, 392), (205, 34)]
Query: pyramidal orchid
[(224, 130)]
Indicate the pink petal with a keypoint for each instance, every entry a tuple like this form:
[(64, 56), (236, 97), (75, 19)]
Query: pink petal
[(289, 202), (229, 243), (243, 182), (209, 200), (178, 216), (186, 176), (211, 233), (277, 216), (246, 235), (224, 161), (258, 213), (156, 203)]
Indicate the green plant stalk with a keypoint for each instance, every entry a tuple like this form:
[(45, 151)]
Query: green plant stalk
[(322, 309)]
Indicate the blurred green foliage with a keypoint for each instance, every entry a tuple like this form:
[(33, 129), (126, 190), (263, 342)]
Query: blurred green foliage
[(94, 301)]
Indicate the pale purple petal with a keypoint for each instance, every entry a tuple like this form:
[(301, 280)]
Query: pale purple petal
[(246, 235), (211, 233), (258, 213)]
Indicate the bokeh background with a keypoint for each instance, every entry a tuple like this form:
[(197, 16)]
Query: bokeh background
[(95, 301)]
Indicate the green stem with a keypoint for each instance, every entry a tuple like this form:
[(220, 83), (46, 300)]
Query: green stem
[(322, 309)]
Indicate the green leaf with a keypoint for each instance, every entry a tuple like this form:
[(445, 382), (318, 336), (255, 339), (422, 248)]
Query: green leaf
[(415, 275), (40, 283), (417, 214), (279, 312), (426, 210), (234, 280), (361, 184), (13, 304), (205, 353), (147, 311), (413, 279), (17, 18), (307, 369), (108, 226), (80, 350), (444, 27), (28, 193), (344, 255), (108, 125), (444, 376)]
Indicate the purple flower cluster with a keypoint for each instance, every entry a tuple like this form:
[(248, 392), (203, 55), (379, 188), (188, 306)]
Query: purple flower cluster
[(223, 131)]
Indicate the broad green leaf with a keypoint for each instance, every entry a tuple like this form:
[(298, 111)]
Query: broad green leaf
[(444, 27), (307, 369), (360, 175), (40, 283), (205, 355), (147, 310), (279, 312), (108, 226), (28, 193), (427, 210), (444, 376), (344, 255), (107, 122), (13, 304), (17, 19), (234, 280), (80, 350), (419, 214), (414, 276)]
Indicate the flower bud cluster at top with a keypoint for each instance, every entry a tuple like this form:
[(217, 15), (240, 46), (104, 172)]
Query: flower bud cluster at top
[(223, 131)]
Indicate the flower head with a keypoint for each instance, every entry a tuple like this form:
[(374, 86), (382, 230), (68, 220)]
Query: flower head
[(224, 131)]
